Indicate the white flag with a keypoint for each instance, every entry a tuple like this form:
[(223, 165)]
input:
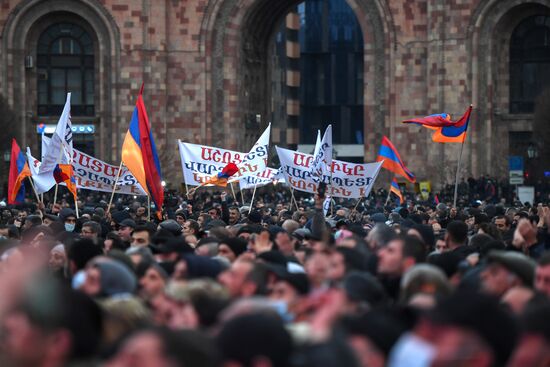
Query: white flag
[(61, 145), (326, 204), (256, 157), (317, 144), (43, 182), (322, 157), (46, 142)]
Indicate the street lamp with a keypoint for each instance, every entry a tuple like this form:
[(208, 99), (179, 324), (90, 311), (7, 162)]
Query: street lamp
[(7, 156)]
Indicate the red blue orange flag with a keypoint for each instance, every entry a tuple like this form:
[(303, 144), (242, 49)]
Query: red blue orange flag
[(397, 190), (64, 173), (19, 170), (455, 133), (221, 178), (446, 130), (432, 121), (392, 160), (139, 154)]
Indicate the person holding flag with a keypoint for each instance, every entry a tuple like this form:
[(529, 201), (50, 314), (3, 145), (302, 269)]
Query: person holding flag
[(19, 170), (139, 154)]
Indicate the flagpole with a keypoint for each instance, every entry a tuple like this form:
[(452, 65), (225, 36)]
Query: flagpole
[(357, 204), (114, 187), (457, 173), (233, 191), (186, 187), (55, 194), (76, 205), (293, 198), (252, 202), (34, 189), (242, 196)]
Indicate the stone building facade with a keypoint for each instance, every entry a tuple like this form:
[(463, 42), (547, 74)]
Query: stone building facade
[(205, 65)]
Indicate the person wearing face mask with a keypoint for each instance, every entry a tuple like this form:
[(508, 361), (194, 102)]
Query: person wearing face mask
[(289, 289), (68, 217)]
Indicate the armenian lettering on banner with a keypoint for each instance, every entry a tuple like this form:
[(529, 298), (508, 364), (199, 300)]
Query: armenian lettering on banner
[(265, 178), (349, 180), (200, 162), (94, 174)]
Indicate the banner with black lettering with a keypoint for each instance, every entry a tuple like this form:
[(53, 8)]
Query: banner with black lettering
[(349, 180), (90, 174)]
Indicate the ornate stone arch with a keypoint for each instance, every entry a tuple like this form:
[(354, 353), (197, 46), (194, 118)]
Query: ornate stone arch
[(234, 38), (19, 37), (489, 32)]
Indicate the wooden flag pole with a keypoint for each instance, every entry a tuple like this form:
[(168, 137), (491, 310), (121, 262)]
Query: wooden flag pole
[(357, 204), (242, 196), (293, 198), (35, 192), (186, 188), (252, 202), (55, 194), (76, 205), (233, 191), (114, 187)]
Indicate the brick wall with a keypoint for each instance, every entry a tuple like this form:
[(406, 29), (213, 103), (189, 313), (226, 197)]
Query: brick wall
[(205, 69)]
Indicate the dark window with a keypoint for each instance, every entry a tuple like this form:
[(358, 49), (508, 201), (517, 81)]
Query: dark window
[(331, 67), (529, 63), (65, 62), (331, 71)]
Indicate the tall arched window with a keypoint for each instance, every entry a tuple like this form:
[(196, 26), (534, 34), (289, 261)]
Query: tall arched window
[(324, 51), (529, 63), (65, 62)]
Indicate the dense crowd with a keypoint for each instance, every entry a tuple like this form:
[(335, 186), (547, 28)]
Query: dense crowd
[(216, 282)]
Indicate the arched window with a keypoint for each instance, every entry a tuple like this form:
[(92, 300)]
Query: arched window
[(327, 84), (529, 63), (65, 62)]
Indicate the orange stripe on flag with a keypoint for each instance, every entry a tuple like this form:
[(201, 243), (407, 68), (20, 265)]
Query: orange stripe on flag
[(132, 158)]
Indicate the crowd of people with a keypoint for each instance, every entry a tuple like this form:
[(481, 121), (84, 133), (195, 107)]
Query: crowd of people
[(215, 282)]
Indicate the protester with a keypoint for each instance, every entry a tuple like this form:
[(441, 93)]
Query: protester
[(217, 283)]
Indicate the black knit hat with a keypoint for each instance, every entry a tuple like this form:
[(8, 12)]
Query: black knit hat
[(241, 340), (236, 244)]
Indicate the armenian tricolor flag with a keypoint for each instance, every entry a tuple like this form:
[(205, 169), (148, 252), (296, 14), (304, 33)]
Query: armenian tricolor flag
[(392, 160), (446, 130), (221, 178), (139, 154), (432, 121), (64, 173), (397, 190), (455, 133), (19, 170)]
